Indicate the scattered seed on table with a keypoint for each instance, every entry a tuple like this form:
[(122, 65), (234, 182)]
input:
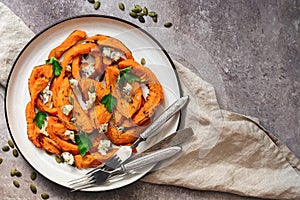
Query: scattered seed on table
[(97, 5), (33, 188), (152, 14), (45, 196), (145, 11), (33, 176), (1, 160), (11, 144), (133, 14), (141, 19), (168, 24), (5, 148), (16, 183), (143, 61), (121, 6), (59, 159), (154, 19), (91, 1), (15, 172), (15, 153)]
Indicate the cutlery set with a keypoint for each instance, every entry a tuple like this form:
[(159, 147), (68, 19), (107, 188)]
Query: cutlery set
[(124, 162)]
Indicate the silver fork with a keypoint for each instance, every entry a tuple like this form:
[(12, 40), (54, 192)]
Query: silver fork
[(125, 152), (100, 176)]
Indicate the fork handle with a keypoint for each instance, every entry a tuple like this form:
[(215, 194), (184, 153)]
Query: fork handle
[(162, 119), (151, 158)]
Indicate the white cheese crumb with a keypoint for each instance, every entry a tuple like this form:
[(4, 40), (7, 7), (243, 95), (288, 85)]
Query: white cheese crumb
[(104, 147), (43, 129), (88, 70), (70, 135), (115, 55), (127, 89), (106, 52), (68, 158), (74, 86), (103, 128), (66, 109), (46, 95), (68, 68), (92, 99)]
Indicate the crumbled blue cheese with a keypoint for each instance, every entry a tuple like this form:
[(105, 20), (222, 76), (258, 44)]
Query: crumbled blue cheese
[(68, 158), (115, 55), (43, 129), (46, 95), (66, 109), (127, 89), (104, 147), (88, 70), (68, 68), (74, 86), (106, 52), (92, 99), (71, 135), (103, 128)]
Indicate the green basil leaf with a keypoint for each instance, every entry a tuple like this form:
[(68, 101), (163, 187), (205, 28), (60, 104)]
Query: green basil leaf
[(109, 102), (39, 119), (55, 65), (84, 143), (131, 78)]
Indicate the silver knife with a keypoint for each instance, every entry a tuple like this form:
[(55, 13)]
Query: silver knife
[(125, 152), (175, 139)]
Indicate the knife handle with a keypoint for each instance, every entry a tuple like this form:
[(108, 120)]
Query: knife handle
[(151, 158), (162, 119)]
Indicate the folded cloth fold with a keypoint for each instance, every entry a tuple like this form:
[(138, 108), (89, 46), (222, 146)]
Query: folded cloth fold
[(230, 152)]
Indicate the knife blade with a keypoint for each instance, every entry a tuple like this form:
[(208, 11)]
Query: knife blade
[(175, 139)]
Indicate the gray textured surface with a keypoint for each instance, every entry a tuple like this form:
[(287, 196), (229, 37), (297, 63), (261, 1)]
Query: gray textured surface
[(249, 50)]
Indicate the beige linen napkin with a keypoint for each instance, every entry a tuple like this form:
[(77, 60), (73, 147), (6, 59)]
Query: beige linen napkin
[(230, 152)]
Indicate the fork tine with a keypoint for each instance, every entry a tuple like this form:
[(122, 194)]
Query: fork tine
[(82, 187), (83, 178)]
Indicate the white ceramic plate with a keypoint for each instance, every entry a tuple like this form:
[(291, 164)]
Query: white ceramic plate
[(35, 53)]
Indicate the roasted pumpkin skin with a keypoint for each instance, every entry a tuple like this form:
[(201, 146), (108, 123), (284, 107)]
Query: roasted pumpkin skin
[(87, 76)]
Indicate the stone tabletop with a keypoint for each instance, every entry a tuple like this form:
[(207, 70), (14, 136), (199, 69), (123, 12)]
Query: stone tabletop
[(248, 50)]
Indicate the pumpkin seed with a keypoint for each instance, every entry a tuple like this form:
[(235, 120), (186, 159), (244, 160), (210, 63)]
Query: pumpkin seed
[(136, 10), (71, 100), (168, 24), (5, 148), (152, 14), (59, 159), (121, 6), (97, 5), (16, 183), (143, 61), (145, 11), (45, 196), (154, 19), (91, 1), (141, 19), (33, 176), (13, 171), (10, 143), (140, 14), (138, 6), (15, 153), (18, 174), (133, 14), (33, 188), (1, 160), (92, 89)]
